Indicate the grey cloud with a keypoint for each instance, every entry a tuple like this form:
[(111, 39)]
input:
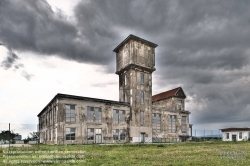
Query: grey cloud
[(11, 60), (27, 75)]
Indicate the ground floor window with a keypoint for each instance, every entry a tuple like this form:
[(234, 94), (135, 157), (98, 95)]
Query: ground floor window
[(70, 133), (90, 134), (119, 134)]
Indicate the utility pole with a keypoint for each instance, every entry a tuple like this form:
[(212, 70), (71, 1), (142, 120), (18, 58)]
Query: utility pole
[(9, 133)]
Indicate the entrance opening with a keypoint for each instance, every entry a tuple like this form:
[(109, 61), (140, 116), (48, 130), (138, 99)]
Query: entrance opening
[(142, 137)]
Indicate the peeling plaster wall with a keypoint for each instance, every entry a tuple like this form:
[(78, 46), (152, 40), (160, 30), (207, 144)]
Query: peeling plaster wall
[(171, 103)]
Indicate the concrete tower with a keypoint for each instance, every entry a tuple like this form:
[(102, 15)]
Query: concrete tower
[(135, 63)]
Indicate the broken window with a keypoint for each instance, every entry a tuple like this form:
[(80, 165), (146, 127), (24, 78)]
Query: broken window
[(70, 113), (142, 78), (94, 114), (119, 116), (156, 118), (142, 118), (240, 135), (142, 96), (70, 133), (122, 134), (172, 123), (90, 134), (184, 124)]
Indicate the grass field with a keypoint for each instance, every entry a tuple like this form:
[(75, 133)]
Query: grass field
[(197, 153)]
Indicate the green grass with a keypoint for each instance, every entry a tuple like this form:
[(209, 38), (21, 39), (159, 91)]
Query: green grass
[(199, 153)]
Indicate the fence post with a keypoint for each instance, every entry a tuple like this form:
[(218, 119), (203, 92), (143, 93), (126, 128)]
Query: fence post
[(204, 135), (195, 135), (9, 136)]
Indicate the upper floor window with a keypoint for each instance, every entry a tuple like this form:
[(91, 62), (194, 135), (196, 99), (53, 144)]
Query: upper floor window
[(50, 116), (142, 97), (142, 78), (124, 97), (179, 104), (55, 114), (70, 113), (118, 116), (156, 123), (171, 123), (184, 124), (94, 114)]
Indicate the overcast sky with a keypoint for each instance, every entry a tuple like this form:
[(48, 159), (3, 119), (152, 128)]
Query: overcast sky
[(54, 46)]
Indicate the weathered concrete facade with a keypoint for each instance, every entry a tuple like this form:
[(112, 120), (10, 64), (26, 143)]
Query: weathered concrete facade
[(53, 131), (137, 117)]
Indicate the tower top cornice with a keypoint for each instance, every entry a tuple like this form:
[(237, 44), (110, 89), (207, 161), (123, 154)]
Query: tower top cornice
[(133, 37)]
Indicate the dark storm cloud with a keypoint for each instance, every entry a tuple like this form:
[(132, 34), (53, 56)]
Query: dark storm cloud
[(203, 45)]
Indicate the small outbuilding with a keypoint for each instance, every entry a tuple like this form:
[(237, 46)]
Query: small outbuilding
[(235, 134)]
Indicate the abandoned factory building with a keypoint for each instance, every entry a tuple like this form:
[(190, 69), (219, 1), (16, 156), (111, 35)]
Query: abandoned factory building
[(136, 117)]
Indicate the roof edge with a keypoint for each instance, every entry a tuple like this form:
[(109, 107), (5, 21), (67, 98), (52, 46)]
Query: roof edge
[(134, 37)]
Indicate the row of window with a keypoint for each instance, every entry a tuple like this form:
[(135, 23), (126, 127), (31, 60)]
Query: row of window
[(94, 115), (142, 94), (141, 79), (118, 134), (156, 123), (49, 118), (240, 135)]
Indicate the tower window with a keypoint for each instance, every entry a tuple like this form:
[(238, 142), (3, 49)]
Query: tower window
[(142, 78), (142, 97), (124, 97), (125, 80), (142, 118)]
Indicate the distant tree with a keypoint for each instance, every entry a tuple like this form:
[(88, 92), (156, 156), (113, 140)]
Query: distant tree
[(5, 134)]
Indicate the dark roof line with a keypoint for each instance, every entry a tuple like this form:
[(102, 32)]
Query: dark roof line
[(234, 129), (59, 95), (134, 37)]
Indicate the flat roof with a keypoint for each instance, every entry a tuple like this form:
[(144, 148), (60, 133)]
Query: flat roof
[(135, 38), (236, 129), (59, 95)]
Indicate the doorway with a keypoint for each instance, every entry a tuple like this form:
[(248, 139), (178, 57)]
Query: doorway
[(233, 137), (142, 137), (98, 136)]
